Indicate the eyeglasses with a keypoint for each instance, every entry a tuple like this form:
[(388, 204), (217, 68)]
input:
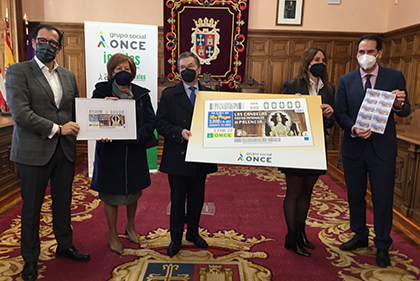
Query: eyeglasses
[(53, 43)]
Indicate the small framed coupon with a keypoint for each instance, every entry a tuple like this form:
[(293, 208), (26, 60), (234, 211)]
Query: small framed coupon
[(101, 118)]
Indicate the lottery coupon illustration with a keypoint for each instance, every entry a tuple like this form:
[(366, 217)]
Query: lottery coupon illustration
[(375, 109), (100, 119), (276, 122)]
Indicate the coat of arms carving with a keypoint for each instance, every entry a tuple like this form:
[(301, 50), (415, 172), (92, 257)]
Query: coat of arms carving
[(205, 40)]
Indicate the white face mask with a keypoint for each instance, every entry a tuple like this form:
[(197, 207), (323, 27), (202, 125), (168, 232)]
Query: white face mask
[(367, 61)]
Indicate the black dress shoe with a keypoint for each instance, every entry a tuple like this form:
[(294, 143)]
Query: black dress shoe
[(72, 254), (197, 240), (304, 240), (173, 249), (30, 272), (293, 243), (353, 244), (382, 258)]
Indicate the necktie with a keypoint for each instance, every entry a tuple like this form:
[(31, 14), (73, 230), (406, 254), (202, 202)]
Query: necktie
[(367, 83), (192, 95)]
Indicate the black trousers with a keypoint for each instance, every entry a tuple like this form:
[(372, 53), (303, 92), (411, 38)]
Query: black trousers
[(382, 179), (192, 189), (34, 180)]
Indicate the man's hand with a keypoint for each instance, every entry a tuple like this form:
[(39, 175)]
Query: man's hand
[(363, 133), (186, 134), (70, 128), (327, 110), (399, 99)]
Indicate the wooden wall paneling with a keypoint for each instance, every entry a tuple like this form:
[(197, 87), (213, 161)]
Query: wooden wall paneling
[(403, 189), (74, 61), (415, 101), (408, 43), (258, 46), (299, 45), (416, 185), (396, 46), (416, 44), (279, 51), (74, 40), (74, 56), (9, 177), (279, 71), (258, 68), (411, 80), (279, 47), (295, 62), (326, 46), (161, 46)]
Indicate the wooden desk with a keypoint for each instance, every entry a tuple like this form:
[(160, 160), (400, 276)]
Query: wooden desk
[(407, 177), (9, 178)]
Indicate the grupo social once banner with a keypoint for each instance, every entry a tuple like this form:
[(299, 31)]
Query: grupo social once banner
[(104, 39)]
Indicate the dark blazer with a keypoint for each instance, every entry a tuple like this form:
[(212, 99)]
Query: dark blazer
[(292, 87), (175, 114), (121, 166), (348, 100), (34, 112)]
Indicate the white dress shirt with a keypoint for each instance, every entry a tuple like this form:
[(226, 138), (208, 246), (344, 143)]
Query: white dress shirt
[(55, 84)]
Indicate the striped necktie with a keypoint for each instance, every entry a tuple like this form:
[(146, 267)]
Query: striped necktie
[(192, 95)]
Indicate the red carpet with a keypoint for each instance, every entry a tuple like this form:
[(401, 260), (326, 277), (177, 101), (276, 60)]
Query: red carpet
[(245, 234)]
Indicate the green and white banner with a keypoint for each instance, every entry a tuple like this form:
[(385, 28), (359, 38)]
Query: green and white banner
[(102, 40)]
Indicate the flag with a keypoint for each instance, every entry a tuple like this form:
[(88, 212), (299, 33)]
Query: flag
[(9, 59), (3, 104), (29, 49)]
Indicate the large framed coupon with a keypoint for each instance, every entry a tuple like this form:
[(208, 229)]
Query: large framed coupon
[(258, 130), (103, 118)]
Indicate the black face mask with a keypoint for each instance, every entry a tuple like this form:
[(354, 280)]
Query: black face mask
[(122, 78), (188, 75), (45, 52), (317, 69)]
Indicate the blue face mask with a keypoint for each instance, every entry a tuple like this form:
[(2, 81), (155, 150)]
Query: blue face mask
[(122, 78)]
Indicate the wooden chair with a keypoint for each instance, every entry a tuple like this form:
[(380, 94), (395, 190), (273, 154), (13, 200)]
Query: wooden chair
[(210, 82), (251, 86), (415, 120), (163, 83)]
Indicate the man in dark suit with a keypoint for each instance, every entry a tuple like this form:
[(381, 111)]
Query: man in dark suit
[(41, 97), (370, 153), (186, 179)]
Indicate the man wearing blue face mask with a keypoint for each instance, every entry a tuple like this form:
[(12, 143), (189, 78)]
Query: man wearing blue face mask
[(365, 152), (41, 97), (186, 179)]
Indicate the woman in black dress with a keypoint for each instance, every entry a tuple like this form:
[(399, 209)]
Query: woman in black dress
[(312, 80)]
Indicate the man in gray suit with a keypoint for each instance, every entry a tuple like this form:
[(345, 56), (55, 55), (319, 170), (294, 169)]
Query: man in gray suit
[(41, 96)]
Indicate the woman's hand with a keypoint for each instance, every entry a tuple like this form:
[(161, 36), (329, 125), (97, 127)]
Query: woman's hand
[(327, 110), (111, 98)]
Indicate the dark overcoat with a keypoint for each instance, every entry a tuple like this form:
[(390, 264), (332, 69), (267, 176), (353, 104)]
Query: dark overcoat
[(175, 114), (121, 166)]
